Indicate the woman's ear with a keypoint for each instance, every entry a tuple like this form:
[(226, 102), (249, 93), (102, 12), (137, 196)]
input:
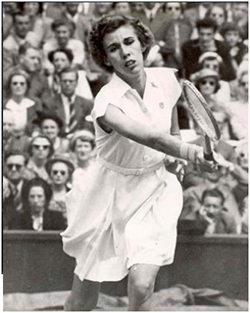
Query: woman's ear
[(106, 61), (143, 48)]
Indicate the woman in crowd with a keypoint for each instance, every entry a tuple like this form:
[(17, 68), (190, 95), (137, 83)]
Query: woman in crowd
[(40, 24), (36, 196), (63, 32), (24, 109), (61, 59), (238, 110), (82, 146), (218, 13), (40, 150), (51, 126), (124, 221), (60, 170)]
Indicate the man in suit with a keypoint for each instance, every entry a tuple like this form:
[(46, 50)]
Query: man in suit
[(193, 49), (72, 109), (20, 35), (153, 15), (16, 175)]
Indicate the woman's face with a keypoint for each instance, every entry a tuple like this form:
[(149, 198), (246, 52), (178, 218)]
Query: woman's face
[(83, 150), (122, 8), (31, 8), (59, 173), (18, 85), (60, 61), (217, 14), (62, 34), (36, 199), (124, 51), (207, 86), (40, 148), (50, 129)]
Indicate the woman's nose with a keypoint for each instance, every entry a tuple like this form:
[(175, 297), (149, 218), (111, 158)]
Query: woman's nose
[(124, 51)]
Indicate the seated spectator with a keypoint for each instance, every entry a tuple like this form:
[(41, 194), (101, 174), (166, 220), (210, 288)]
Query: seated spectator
[(71, 13), (71, 108), (193, 49), (64, 30), (51, 126), (240, 16), (218, 13), (195, 13), (30, 61), (233, 38), (238, 110), (20, 35), (16, 175), (244, 213), (60, 170), (36, 196), (40, 150), (212, 217), (24, 108), (82, 146), (240, 171), (176, 31), (123, 8), (213, 61), (62, 59), (9, 9), (40, 24), (11, 141)]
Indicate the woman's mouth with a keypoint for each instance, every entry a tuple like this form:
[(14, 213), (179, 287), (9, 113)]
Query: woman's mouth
[(129, 63)]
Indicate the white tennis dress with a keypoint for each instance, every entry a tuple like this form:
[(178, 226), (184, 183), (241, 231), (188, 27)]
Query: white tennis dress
[(127, 212)]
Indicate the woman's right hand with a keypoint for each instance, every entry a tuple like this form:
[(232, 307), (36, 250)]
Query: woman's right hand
[(204, 165)]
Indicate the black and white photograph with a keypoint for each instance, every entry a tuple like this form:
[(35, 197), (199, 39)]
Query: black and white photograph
[(125, 156)]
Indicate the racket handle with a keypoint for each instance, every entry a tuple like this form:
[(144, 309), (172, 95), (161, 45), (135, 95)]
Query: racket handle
[(208, 152)]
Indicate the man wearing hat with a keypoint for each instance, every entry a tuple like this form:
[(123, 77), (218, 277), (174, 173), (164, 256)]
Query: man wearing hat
[(52, 126)]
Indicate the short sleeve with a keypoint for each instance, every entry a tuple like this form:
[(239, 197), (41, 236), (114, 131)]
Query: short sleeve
[(100, 105)]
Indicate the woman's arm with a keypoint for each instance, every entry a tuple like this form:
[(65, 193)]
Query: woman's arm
[(115, 119)]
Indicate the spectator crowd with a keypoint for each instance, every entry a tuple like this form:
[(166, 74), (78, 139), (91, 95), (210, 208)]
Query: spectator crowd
[(50, 82)]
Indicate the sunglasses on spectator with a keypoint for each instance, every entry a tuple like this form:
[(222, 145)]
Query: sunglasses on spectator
[(55, 172), (18, 83), (10, 166), (217, 15), (205, 82), (173, 9), (44, 147)]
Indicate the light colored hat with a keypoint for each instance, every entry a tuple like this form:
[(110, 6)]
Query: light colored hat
[(64, 158), (206, 72), (83, 134), (210, 54)]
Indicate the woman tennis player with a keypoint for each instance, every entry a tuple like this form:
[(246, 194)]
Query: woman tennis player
[(123, 222)]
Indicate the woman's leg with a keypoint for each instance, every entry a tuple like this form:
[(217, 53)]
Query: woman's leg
[(84, 295), (141, 281)]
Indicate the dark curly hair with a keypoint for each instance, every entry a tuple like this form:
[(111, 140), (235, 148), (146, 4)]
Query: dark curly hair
[(108, 24), (35, 182)]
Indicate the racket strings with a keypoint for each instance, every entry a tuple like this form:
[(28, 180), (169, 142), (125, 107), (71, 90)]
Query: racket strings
[(200, 112)]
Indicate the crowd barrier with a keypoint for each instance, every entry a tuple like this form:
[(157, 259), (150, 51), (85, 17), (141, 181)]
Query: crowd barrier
[(34, 262)]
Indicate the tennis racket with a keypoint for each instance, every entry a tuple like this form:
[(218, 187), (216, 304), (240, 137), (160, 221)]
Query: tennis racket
[(203, 116)]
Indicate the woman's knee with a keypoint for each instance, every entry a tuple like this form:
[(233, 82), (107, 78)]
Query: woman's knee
[(143, 287)]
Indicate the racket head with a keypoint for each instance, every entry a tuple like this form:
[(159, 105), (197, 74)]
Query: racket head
[(200, 111)]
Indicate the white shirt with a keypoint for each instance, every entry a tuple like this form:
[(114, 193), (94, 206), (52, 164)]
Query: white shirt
[(20, 112)]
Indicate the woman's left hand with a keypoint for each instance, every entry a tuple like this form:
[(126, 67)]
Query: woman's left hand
[(175, 166)]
